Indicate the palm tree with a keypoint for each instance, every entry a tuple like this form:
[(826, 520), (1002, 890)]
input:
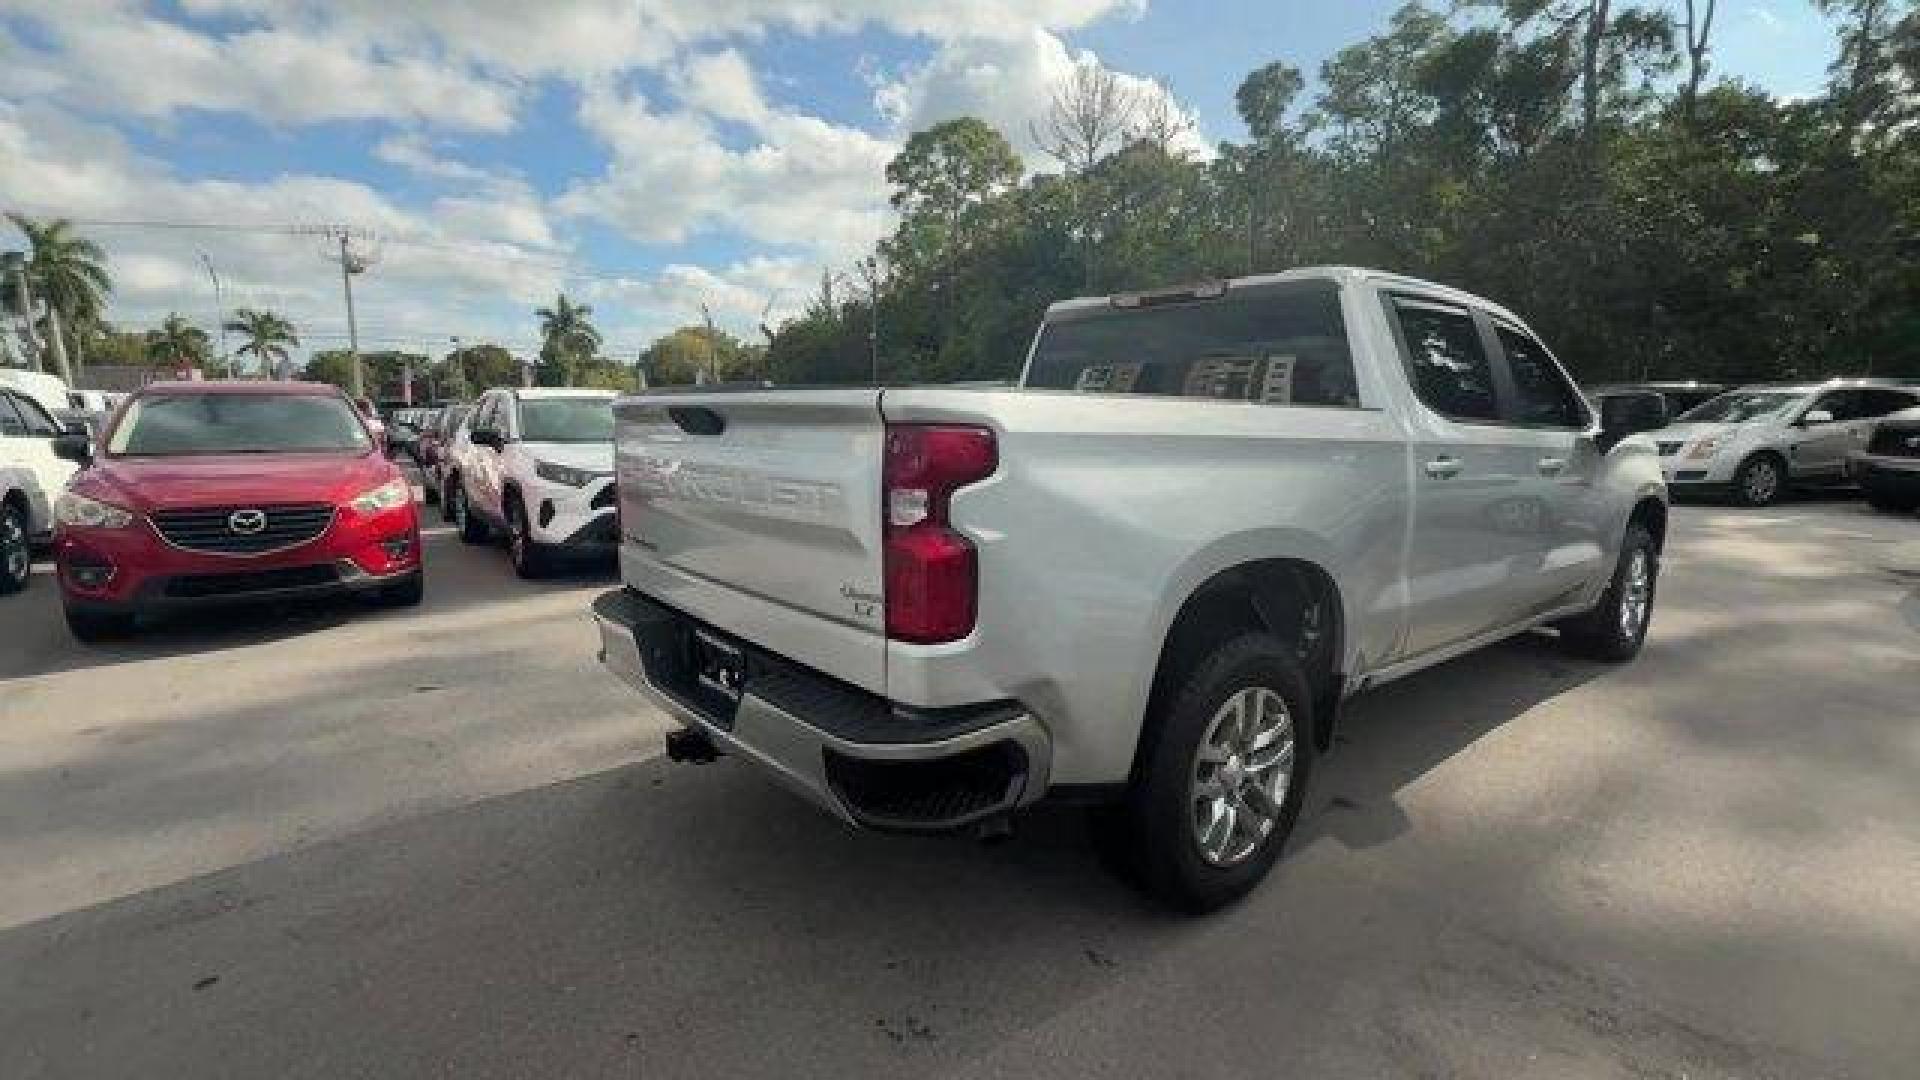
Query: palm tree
[(68, 273), (267, 337), (567, 337), (177, 342)]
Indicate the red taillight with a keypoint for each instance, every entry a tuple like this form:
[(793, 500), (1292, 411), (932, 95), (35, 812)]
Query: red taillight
[(932, 577)]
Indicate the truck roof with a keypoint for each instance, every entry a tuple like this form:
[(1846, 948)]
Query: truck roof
[(1303, 273)]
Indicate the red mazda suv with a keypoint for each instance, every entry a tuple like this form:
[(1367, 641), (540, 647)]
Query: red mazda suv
[(210, 492)]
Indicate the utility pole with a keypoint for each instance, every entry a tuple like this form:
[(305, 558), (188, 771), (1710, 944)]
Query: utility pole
[(870, 273), (352, 261), (713, 353), (15, 267), (219, 314)]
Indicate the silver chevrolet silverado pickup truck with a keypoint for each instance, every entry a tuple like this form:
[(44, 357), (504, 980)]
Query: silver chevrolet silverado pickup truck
[(1147, 574)]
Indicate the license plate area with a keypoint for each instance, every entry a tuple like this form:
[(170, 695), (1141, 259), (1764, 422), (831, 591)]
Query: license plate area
[(718, 667)]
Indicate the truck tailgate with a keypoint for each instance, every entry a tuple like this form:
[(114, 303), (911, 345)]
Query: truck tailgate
[(759, 512)]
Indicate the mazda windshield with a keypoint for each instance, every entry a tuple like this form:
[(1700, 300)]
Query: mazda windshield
[(189, 425)]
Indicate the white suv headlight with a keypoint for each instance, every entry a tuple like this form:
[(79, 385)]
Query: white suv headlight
[(557, 473), (81, 512), (385, 497)]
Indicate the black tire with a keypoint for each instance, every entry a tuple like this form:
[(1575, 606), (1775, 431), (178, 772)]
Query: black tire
[(1160, 814), (97, 626), (473, 528), (1604, 633), (530, 557), (446, 498), (1751, 486), (1888, 503), (16, 549), (407, 592), (428, 493)]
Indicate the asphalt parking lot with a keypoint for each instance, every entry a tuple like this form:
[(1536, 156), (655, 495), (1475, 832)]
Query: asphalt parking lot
[(360, 843)]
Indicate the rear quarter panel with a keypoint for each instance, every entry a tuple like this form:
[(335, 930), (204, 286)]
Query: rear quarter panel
[(1107, 512)]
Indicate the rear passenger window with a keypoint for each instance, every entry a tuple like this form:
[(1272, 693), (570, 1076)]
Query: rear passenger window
[(1448, 366), (1877, 402), (1542, 396), (1277, 345)]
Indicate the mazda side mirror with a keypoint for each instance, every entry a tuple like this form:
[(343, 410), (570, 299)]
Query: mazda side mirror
[(74, 444), (1816, 417), (1622, 415), (488, 438)]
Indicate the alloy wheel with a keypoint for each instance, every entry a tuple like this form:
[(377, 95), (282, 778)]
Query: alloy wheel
[(16, 556), (1636, 594), (1763, 481), (1241, 775)]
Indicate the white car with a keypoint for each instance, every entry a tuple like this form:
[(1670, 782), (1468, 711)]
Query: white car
[(1756, 441), (537, 464), (31, 477)]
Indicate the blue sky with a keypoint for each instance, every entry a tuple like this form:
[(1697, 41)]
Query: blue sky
[(648, 156)]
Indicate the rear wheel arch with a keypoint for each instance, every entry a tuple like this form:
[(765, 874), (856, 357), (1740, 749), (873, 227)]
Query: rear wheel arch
[(1295, 600)]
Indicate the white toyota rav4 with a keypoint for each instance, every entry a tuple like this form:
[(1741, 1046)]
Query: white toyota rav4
[(537, 465)]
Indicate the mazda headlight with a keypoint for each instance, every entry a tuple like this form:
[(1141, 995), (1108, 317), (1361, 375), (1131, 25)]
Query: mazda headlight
[(565, 474), (385, 497), (78, 511), (1707, 447)]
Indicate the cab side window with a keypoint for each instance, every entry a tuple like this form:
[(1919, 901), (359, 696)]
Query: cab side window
[(1876, 402), (39, 424), (1542, 395), (1843, 404), (11, 425), (1448, 366)]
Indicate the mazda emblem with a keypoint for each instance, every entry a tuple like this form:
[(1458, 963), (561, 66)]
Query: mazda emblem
[(1913, 442), (247, 522)]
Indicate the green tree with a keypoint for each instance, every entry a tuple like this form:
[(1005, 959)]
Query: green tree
[(468, 371), (177, 343), (265, 336), (568, 339), (68, 273), (684, 355)]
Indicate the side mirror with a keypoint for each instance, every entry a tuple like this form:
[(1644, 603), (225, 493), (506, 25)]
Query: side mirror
[(1816, 417), (75, 445), (488, 437), (1622, 415)]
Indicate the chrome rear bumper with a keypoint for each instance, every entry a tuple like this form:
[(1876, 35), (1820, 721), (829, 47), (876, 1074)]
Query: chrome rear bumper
[(926, 786)]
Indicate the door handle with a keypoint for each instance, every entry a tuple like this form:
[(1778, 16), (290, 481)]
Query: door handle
[(1551, 466), (1443, 468)]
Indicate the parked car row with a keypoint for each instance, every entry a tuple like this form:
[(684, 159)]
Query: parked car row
[(1755, 443)]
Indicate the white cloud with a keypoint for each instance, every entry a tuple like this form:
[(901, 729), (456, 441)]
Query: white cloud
[(1005, 81), (585, 38), (803, 182), (720, 84), (107, 55), (463, 263), (712, 154), (740, 295), (415, 154)]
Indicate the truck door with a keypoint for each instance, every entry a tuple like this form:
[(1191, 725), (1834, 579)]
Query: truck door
[(1547, 413), (1478, 516)]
